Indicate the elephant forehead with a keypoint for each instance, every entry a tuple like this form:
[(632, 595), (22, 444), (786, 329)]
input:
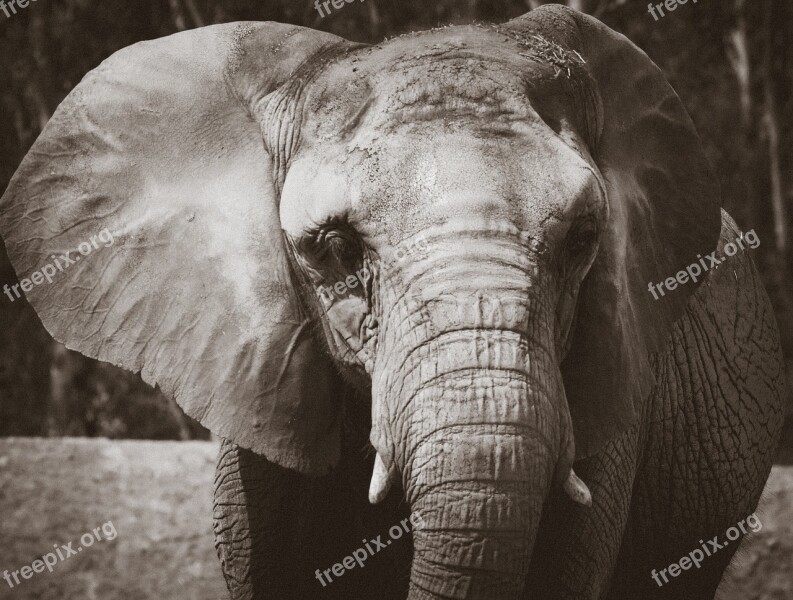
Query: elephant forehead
[(409, 133), (463, 73), (411, 185), (455, 89), (395, 186)]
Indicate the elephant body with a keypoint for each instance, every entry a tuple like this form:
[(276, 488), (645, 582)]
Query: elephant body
[(692, 469), (651, 503), (492, 208)]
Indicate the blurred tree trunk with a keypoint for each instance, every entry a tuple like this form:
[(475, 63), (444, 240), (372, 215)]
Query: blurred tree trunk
[(179, 18), (771, 123), (195, 14), (67, 413), (773, 72), (737, 48), (777, 194), (738, 51)]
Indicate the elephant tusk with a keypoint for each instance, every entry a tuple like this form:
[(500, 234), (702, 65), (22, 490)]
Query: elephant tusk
[(577, 489), (382, 480)]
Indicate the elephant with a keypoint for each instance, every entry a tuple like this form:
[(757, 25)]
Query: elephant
[(416, 283)]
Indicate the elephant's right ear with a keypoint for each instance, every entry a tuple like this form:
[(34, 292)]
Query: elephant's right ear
[(153, 177)]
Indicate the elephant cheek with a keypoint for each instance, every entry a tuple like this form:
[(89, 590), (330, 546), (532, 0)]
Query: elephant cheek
[(351, 333)]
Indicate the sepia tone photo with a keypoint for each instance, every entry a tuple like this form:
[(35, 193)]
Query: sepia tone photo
[(396, 300)]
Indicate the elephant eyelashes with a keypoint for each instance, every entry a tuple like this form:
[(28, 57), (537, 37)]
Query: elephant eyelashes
[(343, 248), (334, 245)]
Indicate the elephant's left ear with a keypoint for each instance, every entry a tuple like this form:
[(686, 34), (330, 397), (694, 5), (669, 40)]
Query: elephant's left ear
[(144, 225), (663, 208)]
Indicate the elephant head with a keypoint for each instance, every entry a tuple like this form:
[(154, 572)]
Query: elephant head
[(463, 222)]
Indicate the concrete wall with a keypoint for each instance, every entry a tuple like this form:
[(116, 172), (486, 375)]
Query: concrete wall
[(157, 497)]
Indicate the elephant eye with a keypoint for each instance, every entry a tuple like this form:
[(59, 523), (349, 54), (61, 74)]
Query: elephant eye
[(581, 239), (335, 244), (341, 247)]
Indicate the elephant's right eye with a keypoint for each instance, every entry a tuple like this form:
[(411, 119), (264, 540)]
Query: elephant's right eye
[(334, 245), (342, 247)]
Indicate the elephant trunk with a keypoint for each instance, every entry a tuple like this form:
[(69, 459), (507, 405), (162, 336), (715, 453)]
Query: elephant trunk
[(479, 483), (470, 409)]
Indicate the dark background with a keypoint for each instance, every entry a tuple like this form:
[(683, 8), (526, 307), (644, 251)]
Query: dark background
[(728, 59)]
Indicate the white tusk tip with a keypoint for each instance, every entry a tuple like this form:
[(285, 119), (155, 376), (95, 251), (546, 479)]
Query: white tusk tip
[(577, 489), (381, 481)]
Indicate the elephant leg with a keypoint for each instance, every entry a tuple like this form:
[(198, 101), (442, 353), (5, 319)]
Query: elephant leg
[(712, 432), (275, 528), (577, 546), (254, 502)]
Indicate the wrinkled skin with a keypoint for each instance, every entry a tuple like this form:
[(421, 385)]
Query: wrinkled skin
[(463, 339), (506, 199)]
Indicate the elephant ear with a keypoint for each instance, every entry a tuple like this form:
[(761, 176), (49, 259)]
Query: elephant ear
[(154, 178), (663, 206)]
